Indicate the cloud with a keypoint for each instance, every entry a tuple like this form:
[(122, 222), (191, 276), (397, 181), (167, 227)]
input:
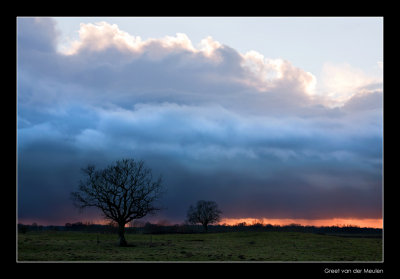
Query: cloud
[(110, 65), (102, 35), (341, 82), (212, 153), (247, 131), (37, 34), (365, 100)]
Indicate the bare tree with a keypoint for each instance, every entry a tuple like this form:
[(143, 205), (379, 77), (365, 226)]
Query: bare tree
[(123, 191), (205, 213)]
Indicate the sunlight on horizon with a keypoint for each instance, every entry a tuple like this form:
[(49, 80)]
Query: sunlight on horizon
[(339, 222)]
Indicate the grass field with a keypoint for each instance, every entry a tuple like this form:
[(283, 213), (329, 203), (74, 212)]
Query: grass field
[(236, 246)]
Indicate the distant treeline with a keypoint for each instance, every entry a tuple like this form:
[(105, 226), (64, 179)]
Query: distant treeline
[(149, 228)]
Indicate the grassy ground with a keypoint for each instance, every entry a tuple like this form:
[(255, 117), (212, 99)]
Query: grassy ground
[(237, 246)]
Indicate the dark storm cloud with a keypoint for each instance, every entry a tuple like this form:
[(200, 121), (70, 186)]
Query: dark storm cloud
[(200, 120)]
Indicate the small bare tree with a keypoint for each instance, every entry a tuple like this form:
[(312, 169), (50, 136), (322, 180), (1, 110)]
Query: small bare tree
[(205, 212), (123, 192)]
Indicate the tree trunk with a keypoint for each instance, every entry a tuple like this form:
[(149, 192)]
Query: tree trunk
[(205, 227), (121, 234)]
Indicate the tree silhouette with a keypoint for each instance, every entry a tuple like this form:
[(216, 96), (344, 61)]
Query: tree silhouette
[(123, 192), (205, 213)]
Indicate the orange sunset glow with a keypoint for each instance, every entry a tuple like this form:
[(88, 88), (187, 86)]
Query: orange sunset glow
[(367, 223), (340, 222)]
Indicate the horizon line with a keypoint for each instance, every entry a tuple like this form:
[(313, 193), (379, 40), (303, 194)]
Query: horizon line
[(376, 223)]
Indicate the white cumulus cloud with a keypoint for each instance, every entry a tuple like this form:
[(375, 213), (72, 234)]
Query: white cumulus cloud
[(210, 63), (341, 82)]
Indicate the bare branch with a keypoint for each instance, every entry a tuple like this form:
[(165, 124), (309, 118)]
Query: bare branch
[(123, 191), (205, 213)]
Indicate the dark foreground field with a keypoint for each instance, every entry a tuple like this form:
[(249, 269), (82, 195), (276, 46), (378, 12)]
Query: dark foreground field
[(235, 246)]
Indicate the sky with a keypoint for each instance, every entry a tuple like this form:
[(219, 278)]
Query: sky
[(272, 118)]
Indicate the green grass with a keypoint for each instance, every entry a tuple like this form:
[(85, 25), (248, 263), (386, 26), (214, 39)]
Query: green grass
[(236, 246)]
